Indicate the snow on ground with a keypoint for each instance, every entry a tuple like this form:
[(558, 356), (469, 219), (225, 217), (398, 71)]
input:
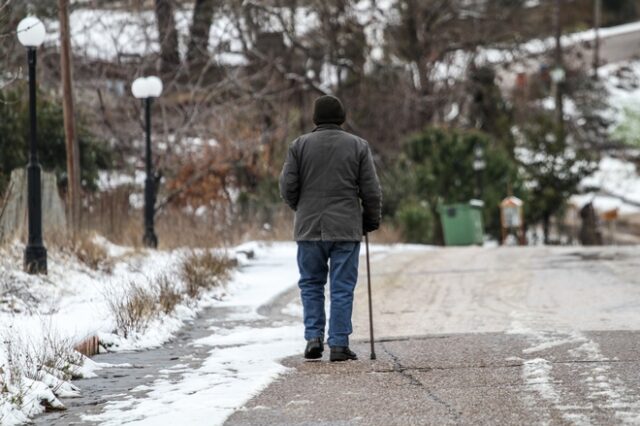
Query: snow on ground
[(600, 379), (242, 361), (41, 314), (239, 365), (622, 82), (615, 185)]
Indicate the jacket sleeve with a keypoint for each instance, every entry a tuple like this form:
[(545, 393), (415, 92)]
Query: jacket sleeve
[(290, 179), (370, 192)]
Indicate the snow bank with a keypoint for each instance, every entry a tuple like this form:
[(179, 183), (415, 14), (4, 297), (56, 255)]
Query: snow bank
[(242, 360), (43, 317)]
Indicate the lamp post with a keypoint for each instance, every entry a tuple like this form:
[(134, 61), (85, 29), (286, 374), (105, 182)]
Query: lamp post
[(147, 88), (31, 34), (479, 164)]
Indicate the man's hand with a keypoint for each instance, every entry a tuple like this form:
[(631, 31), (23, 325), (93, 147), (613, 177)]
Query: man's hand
[(368, 226)]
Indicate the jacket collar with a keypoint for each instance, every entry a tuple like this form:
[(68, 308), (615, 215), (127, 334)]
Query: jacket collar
[(327, 126)]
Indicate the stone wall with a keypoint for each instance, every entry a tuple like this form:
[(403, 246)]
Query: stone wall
[(13, 209)]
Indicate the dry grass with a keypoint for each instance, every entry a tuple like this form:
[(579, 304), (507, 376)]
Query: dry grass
[(111, 216), (132, 309), (58, 357), (51, 360), (83, 247), (91, 253), (204, 271), (176, 228), (169, 294)]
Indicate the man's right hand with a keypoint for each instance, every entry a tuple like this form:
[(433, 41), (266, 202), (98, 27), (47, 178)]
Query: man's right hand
[(369, 226)]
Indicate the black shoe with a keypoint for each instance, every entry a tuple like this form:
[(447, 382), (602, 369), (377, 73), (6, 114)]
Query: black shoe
[(342, 353), (314, 348)]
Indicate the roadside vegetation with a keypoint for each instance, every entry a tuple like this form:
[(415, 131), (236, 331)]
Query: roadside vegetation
[(34, 373), (36, 368), (205, 271), (89, 252), (138, 303)]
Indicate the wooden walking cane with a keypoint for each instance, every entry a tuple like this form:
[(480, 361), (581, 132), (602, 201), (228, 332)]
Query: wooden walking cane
[(373, 350)]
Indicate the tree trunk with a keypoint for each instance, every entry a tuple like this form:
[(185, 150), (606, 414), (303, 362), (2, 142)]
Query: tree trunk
[(197, 52), (169, 55), (73, 151)]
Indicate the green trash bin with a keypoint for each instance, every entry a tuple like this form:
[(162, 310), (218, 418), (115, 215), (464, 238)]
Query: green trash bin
[(462, 223)]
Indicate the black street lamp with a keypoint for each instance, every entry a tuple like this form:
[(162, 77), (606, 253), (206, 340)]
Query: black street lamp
[(479, 164), (31, 34), (147, 88)]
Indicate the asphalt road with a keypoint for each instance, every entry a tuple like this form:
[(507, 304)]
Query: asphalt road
[(479, 336)]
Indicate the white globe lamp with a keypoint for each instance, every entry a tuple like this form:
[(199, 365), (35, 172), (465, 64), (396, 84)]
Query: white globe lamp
[(139, 88), (146, 87), (154, 86), (31, 32)]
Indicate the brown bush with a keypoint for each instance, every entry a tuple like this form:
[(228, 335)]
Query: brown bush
[(134, 309), (87, 251), (203, 271), (169, 295)]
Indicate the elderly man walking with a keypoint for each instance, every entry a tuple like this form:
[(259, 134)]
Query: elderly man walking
[(329, 180)]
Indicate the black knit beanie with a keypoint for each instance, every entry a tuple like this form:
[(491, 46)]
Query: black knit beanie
[(328, 110)]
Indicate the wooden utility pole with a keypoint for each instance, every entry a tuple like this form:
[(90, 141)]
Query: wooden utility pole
[(559, 65), (73, 151), (597, 22)]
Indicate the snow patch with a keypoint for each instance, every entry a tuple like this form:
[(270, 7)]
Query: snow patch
[(604, 387)]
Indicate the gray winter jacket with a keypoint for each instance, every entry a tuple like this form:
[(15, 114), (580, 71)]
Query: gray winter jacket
[(330, 181)]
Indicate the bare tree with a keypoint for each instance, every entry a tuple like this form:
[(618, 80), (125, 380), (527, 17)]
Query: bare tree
[(203, 11), (168, 35)]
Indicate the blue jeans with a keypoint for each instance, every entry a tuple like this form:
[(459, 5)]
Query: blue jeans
[(339, 259)]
